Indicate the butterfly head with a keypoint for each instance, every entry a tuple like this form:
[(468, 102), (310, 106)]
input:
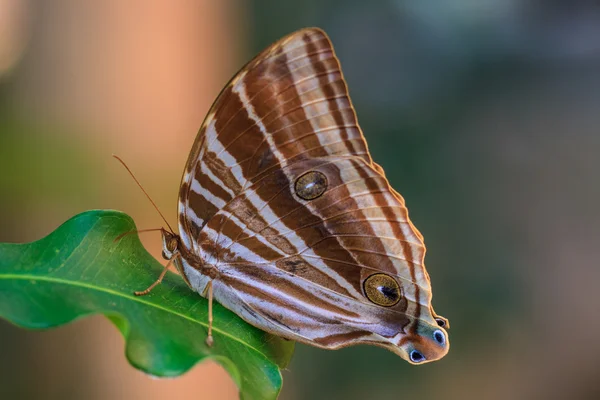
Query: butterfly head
[(428, 343), (170, 244), (172, 250)]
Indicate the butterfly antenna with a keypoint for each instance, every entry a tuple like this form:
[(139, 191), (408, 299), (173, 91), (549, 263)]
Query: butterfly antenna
[(146, 193)]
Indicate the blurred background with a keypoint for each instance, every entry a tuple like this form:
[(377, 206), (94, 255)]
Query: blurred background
[(485, 115)]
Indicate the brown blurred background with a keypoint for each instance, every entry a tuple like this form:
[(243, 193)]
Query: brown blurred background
[(485, 115)]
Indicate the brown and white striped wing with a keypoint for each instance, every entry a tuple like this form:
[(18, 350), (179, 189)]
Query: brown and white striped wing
[(292, 266), (302, 263)]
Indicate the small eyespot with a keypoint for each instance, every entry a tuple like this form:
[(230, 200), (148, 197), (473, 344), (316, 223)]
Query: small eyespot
[(311, 185), (416, 356), (439, 337), (382, 290), (441, 323)]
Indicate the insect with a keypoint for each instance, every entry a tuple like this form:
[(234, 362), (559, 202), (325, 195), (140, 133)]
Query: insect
[(286, 220)]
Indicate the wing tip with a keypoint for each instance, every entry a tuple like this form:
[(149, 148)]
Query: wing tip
[(312, 31)]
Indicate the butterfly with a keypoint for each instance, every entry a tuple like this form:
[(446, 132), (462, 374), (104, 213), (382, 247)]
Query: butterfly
[(285, 219)]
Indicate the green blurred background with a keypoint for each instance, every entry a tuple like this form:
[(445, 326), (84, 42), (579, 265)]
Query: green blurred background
[(485, 115)]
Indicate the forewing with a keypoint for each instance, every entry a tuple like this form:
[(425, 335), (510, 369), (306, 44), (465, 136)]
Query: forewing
[(288, 103)]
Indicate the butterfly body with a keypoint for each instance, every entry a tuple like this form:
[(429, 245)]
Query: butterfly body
[(286, 218)]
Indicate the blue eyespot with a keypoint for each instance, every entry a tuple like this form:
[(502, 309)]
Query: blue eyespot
[(416, 356), (439, 337)]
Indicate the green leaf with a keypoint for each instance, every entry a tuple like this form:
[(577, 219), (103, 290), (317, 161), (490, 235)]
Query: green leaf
[(80, 270)]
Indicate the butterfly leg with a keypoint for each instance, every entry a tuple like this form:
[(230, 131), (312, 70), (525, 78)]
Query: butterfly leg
[(209, 338), (159, 280)]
